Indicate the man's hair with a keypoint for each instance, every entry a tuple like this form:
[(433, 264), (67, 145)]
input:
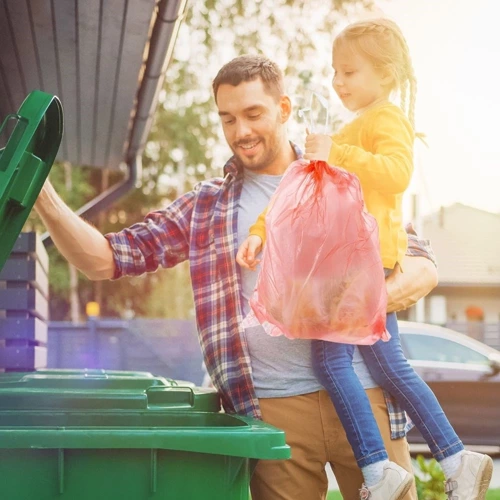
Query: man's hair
[(248, 68)]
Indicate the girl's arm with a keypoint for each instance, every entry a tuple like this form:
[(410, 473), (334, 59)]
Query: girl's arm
[(252, 246), (388, 165), (259, 228)]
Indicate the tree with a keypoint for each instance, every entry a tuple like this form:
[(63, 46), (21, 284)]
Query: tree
[(186, 143)]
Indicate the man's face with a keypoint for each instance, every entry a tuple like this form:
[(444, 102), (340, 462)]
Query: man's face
[(253, 123), (356, 81)]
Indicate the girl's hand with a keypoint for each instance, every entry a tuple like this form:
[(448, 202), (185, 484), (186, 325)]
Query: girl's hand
[(318, 147), (247, 252)]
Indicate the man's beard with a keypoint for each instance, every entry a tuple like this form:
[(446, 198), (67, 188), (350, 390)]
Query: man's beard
[(270, 152)]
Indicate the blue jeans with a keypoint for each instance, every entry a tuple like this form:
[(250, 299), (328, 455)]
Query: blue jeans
[(391, 370)]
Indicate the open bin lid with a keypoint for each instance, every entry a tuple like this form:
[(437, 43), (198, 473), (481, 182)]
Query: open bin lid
[(25, 162)]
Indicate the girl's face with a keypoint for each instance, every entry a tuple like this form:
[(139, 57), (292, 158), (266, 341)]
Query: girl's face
[(356, 81)]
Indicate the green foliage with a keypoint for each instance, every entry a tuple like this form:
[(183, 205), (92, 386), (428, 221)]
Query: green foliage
[(429, 479)]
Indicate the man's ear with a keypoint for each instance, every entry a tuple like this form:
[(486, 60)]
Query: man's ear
[(285, 108)]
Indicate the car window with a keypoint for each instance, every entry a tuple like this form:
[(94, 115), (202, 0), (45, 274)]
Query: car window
[(427, 348)]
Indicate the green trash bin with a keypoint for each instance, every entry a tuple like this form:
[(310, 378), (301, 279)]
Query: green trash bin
[(76, 438), (106, 435)]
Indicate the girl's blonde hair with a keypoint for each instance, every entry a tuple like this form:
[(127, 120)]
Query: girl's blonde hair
[(382, 42)]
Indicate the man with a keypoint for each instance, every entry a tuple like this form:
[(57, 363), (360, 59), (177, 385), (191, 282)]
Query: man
[(256, 375)]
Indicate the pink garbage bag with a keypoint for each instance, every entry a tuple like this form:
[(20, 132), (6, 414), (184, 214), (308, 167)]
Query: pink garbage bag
[(321, 275)]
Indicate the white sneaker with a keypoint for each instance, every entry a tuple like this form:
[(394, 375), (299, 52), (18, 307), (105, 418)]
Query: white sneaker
[(394, 484), (472, 479)]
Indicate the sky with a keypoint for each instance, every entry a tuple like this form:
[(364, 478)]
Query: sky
[(455, 47)]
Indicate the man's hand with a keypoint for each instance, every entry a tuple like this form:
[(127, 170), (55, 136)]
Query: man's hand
[(318, 147), (247, 252), (404, 289)]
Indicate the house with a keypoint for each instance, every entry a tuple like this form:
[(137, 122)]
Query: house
[(466, 241), (106, 61)]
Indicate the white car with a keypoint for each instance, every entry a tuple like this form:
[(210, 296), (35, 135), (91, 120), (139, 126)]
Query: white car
[(463, 373)]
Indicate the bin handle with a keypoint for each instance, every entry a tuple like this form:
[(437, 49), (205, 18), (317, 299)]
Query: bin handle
[(180, 396), (10, 147), (30, 167)]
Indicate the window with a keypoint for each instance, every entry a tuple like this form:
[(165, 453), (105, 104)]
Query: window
[(427, 348)]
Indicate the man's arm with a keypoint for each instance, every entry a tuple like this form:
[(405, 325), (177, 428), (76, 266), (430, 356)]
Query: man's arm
[(405, 289), (80, 243), (420, 274)]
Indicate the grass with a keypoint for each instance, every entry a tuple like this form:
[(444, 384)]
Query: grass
[(334, 495), (492, 495)]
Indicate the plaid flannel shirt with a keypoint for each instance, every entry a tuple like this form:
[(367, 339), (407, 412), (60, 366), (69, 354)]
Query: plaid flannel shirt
[(417, 247), (201, 226)]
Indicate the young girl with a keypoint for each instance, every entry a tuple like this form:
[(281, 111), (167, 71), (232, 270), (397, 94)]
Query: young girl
[(371, 60)]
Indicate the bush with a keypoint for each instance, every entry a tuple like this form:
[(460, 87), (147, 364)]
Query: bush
[(429, 479)]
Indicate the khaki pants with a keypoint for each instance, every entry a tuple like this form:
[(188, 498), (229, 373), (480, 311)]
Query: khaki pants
[(316, 437)]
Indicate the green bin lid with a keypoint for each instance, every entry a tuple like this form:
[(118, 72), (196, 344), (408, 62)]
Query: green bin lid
[(25, 162), (101, 390), (190, 431), (83, 372)]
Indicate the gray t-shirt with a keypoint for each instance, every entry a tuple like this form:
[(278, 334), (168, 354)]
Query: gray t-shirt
[(281, 367)]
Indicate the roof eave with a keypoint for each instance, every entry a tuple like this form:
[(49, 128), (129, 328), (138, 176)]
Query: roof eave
[(161, 44)]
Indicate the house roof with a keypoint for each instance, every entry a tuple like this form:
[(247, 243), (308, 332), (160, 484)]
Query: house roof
[(466, 241), (94, 56)]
